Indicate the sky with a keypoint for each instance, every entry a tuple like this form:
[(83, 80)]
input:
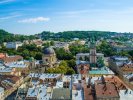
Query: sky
[(34, 16)]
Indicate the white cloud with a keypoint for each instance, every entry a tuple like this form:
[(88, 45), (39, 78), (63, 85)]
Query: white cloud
[(9, 17), (34, 20), (5, 1)]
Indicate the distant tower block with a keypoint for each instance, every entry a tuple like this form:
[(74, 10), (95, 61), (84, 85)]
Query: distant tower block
[(93, 53)]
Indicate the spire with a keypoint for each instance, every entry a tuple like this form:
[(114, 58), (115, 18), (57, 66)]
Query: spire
[(92, 41)]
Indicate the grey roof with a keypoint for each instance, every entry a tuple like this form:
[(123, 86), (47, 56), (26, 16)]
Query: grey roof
[(48, 50), (61, 94)]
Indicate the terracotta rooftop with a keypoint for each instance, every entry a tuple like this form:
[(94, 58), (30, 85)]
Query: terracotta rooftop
[(2, 55), (88, 95), (115, 80), (84, 68), (107, 90), (12, 58)]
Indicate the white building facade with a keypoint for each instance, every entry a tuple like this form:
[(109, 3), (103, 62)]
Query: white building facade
[(13, 45)]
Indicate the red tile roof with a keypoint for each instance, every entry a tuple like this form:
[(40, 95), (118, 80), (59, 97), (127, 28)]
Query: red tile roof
[(88, 95), (2, 55), (115, 80), (107, 90), (12, 58)]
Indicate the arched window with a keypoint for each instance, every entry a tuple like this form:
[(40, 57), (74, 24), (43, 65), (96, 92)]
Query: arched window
[(46, 60)]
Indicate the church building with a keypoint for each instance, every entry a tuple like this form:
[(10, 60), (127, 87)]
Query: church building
[(49, 57)]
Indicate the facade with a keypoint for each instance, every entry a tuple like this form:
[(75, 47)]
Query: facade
[(32, 63), (64, 45), (86, 57), (13, 45), (37, 42)]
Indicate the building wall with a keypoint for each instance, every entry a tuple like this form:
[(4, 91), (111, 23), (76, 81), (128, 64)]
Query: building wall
[(83, 56), (51, 59), (2, 94), (13, 45), (114, 67)]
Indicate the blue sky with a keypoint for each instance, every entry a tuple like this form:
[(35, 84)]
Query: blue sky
[(34, 16)]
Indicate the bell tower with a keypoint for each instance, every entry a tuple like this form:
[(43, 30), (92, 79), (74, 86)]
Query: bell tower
[(93, 54)]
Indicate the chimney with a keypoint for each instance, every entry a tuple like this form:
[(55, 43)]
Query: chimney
[(105, 87)]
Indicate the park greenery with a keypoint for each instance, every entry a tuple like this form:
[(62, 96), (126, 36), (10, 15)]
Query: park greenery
[(63, 68), (8, 37)]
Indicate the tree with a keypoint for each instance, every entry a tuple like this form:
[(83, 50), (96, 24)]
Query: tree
[(80, 58), (70, 71), (86, 58), (106, 49), (38, 56), (63, 55), (51, 43), (71, 63), (62, 68), (100, 62)]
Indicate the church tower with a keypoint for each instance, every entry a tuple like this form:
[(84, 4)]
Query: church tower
[(93, 56)]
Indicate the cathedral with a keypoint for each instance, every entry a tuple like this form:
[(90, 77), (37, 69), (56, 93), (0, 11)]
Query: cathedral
[(49, 57)]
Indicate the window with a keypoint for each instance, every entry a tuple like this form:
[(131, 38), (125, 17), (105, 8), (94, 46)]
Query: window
[(46, 60)]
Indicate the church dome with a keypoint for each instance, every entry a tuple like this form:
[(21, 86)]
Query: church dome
[(48, 51)]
